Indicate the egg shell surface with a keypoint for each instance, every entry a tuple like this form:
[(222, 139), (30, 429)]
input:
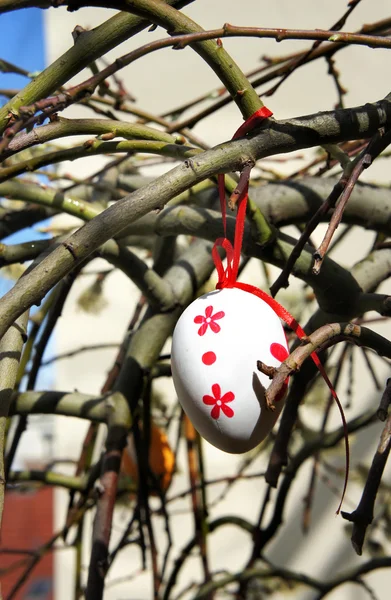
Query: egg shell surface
[(215, 348)]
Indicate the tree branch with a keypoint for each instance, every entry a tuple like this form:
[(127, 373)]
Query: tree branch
[(321, 339), (279, 137), (62, 127), (10, 352), (103, 409)]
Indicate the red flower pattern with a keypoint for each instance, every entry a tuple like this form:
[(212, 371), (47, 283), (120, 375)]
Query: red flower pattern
[(219, 403), (279, 352), (209, 320)]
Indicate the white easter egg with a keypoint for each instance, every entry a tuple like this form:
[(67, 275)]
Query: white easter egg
[(215, 348)]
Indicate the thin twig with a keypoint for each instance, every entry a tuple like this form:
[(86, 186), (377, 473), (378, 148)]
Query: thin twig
[(309, 496), (196, 496), (80, 350), (385, 402), (241, 186), (333, 71), (307, 55), (363, 515), (283, 279), (377, 144), (320, 253)]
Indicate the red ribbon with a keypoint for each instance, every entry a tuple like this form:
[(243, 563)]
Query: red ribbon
[(227, 277)]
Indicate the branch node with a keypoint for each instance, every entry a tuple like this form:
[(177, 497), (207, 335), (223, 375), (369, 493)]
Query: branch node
[(69, 246), (265, 369)]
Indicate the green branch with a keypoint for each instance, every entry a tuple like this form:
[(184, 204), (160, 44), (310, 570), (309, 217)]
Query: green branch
[(62, 127), (69, 482), (93, 148), (20, 253), (34, 193), (53, 478)]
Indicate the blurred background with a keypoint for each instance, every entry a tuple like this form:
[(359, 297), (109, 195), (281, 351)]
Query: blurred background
[(161, 81)]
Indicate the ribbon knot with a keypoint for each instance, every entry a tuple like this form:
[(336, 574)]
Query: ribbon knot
[(227, 277)]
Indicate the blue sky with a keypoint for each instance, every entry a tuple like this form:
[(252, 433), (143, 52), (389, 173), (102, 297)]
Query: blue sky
[(22, 42)]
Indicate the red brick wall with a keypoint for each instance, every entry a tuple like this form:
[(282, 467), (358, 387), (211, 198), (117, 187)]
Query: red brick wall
[(27, 525)]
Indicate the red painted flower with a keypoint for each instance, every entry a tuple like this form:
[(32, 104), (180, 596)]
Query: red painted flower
[(219, 403), (279, 352), (209, 320)]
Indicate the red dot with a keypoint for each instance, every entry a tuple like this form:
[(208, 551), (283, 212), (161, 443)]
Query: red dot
[(209, 358), (279, 352)]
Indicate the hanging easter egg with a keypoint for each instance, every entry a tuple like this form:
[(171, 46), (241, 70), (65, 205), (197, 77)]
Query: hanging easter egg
[(215, 348)]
